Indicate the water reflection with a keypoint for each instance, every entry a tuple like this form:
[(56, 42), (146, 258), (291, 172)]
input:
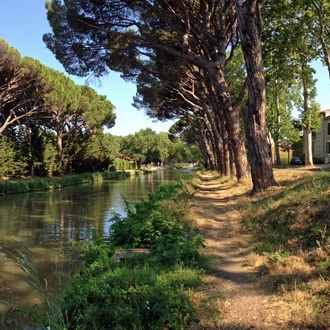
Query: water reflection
[(46, 221)]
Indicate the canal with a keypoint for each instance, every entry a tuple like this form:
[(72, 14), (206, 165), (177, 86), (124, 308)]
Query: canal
[(46, 223)]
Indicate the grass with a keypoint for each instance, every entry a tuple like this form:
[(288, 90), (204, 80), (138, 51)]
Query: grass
[(17, 186), (289, 229), (289, 226), (142, 292), (46, 311)]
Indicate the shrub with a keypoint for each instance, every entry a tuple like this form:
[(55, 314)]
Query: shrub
[(136, 294), (22, 185), (142, 292), (172, 238)]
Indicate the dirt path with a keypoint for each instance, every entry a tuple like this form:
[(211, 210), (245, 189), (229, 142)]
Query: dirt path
[(231, 286)]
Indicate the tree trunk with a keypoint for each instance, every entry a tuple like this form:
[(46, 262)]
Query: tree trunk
[(230, 121), (237, 144), (216, 140), (226, 168), (254, 113), (231, 124), (307, 131), (278, 154), (208, 149), (60, 153), (308, 147)]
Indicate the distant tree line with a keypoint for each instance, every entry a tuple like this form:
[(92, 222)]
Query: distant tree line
[(147, 147)]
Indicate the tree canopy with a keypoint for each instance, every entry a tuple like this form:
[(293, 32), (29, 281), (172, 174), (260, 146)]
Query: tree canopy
[(177, 53), (35, 98)]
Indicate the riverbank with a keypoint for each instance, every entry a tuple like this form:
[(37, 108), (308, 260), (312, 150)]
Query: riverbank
[(267, 259), (269, 253), (111, 292), (24, 185)]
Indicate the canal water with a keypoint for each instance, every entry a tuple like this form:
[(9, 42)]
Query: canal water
[(46, 223)]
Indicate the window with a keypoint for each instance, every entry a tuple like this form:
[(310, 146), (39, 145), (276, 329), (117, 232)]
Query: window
[(328, 128), (328, 148)]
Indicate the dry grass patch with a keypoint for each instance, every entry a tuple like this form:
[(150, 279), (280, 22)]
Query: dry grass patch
[(304, 307), (211, 309), (283, 234), (289, 225)]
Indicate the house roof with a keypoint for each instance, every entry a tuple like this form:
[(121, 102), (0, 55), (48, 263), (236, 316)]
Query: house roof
[(326, 112)]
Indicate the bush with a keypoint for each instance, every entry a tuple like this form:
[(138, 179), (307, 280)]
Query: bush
[(122, 165), (136, 294), (142, 292), (161, 228), (11, 163)]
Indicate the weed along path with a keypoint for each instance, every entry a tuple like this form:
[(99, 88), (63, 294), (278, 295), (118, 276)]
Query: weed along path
[(232, 296)]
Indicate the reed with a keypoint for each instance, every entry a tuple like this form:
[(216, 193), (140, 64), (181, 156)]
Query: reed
[(47, 313)]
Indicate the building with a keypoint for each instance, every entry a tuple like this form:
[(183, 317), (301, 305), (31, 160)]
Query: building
[(321, 139)]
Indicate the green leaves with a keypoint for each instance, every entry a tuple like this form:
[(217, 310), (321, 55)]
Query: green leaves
[(10, 162), (162, 228)]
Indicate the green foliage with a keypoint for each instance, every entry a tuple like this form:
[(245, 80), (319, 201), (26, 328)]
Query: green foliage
[(146, 146), (142, 292), (311, 117), (235, 73), (136, 294), (95, 152), (50, 163), (139, 296), (10, 162), (141, 146), (9, 187), (153, 225), (323, 266), (194, 153), (122, 165)]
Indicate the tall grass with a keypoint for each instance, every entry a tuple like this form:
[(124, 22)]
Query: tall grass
[(47, 312), (293, 213)]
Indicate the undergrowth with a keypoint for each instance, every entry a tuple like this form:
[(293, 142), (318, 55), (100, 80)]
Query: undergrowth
[(150, 291), (289, 226)]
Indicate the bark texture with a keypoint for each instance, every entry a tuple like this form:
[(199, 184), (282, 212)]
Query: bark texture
[(254, 113)]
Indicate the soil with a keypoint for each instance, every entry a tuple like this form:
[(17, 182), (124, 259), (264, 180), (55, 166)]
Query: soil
[(231, 288)]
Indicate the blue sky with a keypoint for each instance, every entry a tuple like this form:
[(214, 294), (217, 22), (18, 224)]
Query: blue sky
[(22, 25)]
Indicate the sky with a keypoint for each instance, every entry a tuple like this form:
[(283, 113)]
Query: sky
[(22, 25)]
